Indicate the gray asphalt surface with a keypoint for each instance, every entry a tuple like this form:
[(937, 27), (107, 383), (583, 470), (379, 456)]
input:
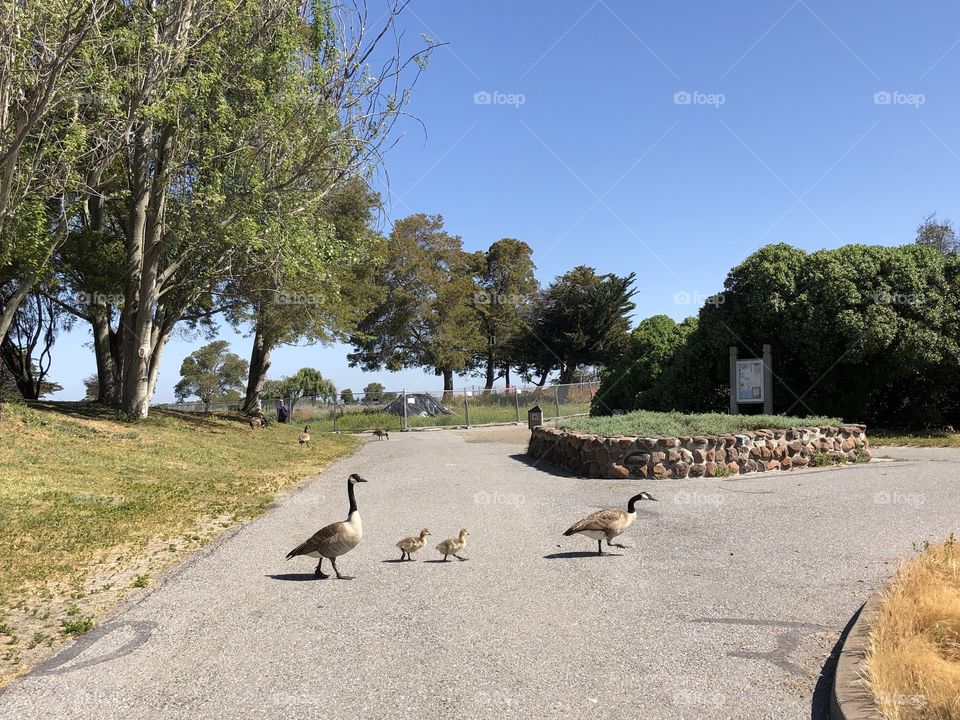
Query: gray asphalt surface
[(727, 603)]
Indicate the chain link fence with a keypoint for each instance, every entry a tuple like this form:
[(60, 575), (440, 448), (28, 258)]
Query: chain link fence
[(407, 409)]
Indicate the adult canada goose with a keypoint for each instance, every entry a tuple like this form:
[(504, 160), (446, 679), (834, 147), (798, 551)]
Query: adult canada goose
[(381, 434), (608, 523), (305, 437), (335, 539), (412, 544), (453, 546)]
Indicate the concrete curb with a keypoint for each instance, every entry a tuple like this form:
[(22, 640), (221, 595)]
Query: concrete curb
[(850, 697)]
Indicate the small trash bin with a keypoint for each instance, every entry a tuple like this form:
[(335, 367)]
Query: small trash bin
[(534, 417)]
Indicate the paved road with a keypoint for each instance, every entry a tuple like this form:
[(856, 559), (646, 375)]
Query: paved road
[(726, 605)]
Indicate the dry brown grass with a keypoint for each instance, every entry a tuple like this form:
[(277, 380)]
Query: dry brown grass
[(93, 508), (913, 659)]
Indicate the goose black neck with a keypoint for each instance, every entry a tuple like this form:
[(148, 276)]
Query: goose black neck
[(353, 500), (631, 506)]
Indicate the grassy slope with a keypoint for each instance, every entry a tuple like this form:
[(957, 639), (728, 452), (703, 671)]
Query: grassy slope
[(91, 506), (655, 424), (913, 659)]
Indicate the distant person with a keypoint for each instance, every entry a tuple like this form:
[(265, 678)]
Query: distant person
[(282, 413)]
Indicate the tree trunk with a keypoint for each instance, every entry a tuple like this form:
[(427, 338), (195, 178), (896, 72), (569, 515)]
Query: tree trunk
[(11, 306), (105, 349), (506, 374), (447, 386), (259, 365), (491, 371)]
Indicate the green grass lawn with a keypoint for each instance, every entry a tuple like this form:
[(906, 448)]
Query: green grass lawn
[(356, 419), (672, 424), (91, 506)]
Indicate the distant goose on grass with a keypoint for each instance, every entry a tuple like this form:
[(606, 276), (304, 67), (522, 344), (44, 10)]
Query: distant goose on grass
[(412, 544), (453, 546), (304, 438), (335, 539), (608, 523)]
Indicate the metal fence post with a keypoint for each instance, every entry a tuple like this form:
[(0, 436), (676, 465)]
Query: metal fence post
[(516, 397), (556, 395), (466, 409), (334, 414), (404, 394)]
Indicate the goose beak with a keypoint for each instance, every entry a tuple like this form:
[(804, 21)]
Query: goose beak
[(360, 479)]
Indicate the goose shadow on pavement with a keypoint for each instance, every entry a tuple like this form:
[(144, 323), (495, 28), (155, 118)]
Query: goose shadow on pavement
[(294, 577), (573, 554)]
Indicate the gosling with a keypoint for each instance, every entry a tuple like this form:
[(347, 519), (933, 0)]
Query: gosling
[(304, 438), (381, 434), (412, 544), (453, 546)]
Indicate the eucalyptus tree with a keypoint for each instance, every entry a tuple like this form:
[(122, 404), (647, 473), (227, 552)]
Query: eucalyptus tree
[(506, 284), (315, 292), (52, 53), (425, 314), (231, 123)]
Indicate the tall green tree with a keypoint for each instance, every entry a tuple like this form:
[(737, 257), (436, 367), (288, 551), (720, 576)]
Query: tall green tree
[(425, 315), (581, 319), (506, 285), (316, 293), (211, 373), (52, 52), (867, 333), (225, 127), (653, 347)]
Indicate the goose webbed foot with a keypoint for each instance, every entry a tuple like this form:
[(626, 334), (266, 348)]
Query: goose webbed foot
[(318, 573), (339, 576), (460, 558), (617, 545)]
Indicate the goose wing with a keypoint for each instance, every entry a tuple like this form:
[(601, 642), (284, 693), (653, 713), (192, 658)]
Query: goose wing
[(601, 521), (321, 538)]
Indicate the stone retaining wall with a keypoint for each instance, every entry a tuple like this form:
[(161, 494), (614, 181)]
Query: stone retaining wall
[(699, 456)]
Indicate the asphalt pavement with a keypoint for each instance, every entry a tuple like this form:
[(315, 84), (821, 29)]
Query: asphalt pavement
[(727, 603)]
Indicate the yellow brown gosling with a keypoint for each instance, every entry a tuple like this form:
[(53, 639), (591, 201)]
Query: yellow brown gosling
[(304, 438), (453, 546), (412, 544)]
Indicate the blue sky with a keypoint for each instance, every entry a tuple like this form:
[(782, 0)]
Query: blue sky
[(667, 139)]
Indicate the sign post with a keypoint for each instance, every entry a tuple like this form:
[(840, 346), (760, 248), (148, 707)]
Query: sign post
[(751, 381)]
